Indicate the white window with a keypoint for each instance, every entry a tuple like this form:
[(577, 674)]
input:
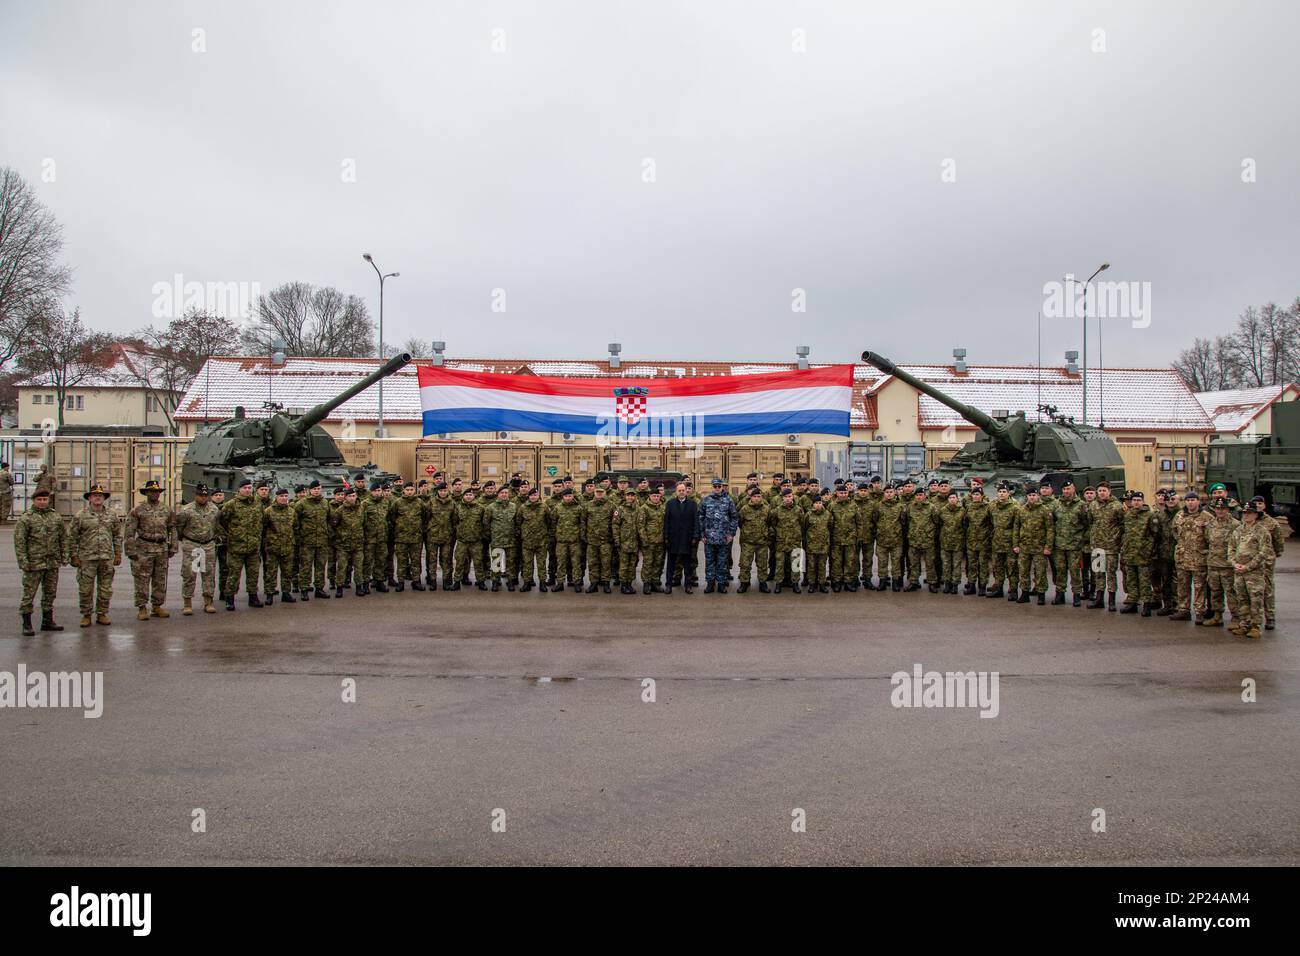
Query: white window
[(81, 402), (68, 402), (36, 399), (49, 399)]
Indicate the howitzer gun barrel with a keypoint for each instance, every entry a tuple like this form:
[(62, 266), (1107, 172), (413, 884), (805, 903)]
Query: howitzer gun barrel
[(972, 415), (317, 413)]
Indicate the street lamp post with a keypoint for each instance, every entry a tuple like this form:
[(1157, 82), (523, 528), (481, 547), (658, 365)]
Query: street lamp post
[(1070, 278), (379, 432)]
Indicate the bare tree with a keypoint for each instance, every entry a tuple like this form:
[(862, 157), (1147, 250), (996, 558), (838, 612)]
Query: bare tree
[(166, 360), (30, 275), (1263, 349), (1195, 365), (311, 320), (62, 353), (418, 347)]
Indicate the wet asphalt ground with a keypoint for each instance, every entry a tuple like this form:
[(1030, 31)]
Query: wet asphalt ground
[(528, 709)]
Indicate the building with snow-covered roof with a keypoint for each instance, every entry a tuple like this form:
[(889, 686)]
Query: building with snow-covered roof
[(122, 394), (1246, 412)]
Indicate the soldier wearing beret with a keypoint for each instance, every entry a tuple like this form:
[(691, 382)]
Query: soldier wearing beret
[(40, 542)]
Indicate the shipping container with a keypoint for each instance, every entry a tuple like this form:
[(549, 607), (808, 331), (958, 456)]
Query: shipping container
[(396, 455), (584, 462), (769, 461), (460, 462), (553, 462), (620, 458), (430, 459), (645, 458)]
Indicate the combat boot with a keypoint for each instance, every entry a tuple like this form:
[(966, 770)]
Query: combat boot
[(763, 588), (253, 601), (394, 583), (626, 589), (304, 595), (338, 590), (431, 581), (824, 589), (541, 586), (363, 589), (1111, 599), (851, 586), (1129, 609), (1023, 597), (382, 588), (28, 630), (836, 587), (85, 620), (1180, 616), (973, 589), (776, 587), (454, 586), (1042, 598), (230, 604), (47, 623), (909, 588), (742, 587), (1214, 619), (399, 587), (286, 597), (102, 619), (647, 588), (1146, 610), (1253, 632), (710, 588), (593, 587), (417, 586), (526, 586), (606, 589), (482, 585), (796, 589), (1060, 597), (142, 614), (496, 585), (934, 588), (993, 592), (1270, 624), (1098, 601), (1076, 602), (320, 593), (1237, 628), (1013, 595), (187, 608), (510, 585), (1165, 610), (722, 587), (896, 584)]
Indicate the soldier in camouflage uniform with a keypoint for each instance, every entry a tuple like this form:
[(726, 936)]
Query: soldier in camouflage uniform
[(150, 542), (1220, 584), (1278, 535), (1189, 530), (241, 520), (531, 520), (754, 535), (312, 531), (278, 519), (406, 527), (627, 540), (1070, 530), (469, 538), (817, 544), (6, 492), (1137, 551), (331, 549), (40, 545), (921, 525), (979, 541), (566, 521), (1004, 562), (374, 523), (196, 533), (94, 537), (952, 541), (650, 534), (787, 521), (440, 537), (890, 524), (1252, 549), (1031, 541), (845, 516), (349, 527), (1105, 531), (599, 524), (500, 518), (867, 500), (45, 481), (1162, 565), (1089, 581), (219, 499)]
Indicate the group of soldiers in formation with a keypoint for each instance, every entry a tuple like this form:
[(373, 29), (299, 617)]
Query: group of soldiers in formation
[(1178, 559)]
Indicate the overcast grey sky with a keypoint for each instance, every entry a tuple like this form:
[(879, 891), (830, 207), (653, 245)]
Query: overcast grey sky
[(524, 169)]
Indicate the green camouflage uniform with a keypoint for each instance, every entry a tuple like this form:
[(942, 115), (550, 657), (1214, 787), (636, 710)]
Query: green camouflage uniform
[(1137, 551), (754, 535), (921, 524), (1252, 547), (1005, 563), (440, 538), (531, 520), (788, 521), (196, 531), (979, 541), (1162, 563), (374, 521), (312, 531), (952, 540), (868, 504), (1191, 551), (40, 543), (1279, 545), (1219, 577), (817, 543), (94, 549), (277, 547), (1105, 530), (406, 525), (6, 495), (625, 537), (149, 543), (501, 534), (1070, 528), (349, 525), (845, 516), (650, 532), (241, 519), (331, 547), (1033, 533), (469, 537), (599, 522), (890, 528)]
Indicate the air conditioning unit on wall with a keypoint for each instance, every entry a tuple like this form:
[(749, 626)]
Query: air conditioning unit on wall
[(792, 439), (505, 436), (444, 436), (569, 437)]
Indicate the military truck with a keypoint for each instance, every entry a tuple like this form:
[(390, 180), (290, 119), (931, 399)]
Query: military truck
[(1013, 449), (284, 450), (1268, 465)]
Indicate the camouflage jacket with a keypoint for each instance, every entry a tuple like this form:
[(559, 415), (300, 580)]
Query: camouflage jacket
[(625, 530), (890, 520), (469, 522), (149, 530), (441, 526), (1252, 547), (311, 516), (979, 526), (1105, 524), (867, 507), (531, 524), (1070, 524), (40, 540), (94, 535), (817, 531), (197, 525), (1139, 542), (241, 519), (277, 528), (1218, 541), (753, 523), (374, 520), (1033, 528), (406, 519), (716, 520), (922, 522), (1275, 532), (6, 482), (952, 527), (348, 522), (501, 523), (567, 521), (650, 524), (1165, 543), (1190, 533), (1003, 516), (788, 520), (599, 521), (845, 516)]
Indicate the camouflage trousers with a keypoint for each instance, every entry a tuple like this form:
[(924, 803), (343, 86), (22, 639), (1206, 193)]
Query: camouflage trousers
[(889, 562), (277, 571), (198, 560), (600, 560), (1163, 580), (551, 561), (627, 565), (1033, 570), (150, 572), (6, 507), (48, 583), (311, 567), (1006, 567), (221, 569), (349, 564), (468, 557), (784, 576), (1270, 594), (921, 560), (95, 585), (1189, 586), (410, 560), (331, 566), (511, 568), (373, 556), (533, 566), (1068, 570), (844, 563), (815, 570), (952, 562), (1137, 584), (1221, 591), (652, 564), (244, 565), (438, 557), (977, 565), (568, 562), (753, 554), (864, 560), (1250, 597), (1110, 575)]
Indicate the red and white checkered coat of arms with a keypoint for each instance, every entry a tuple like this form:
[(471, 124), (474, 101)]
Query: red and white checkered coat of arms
[(630, 404)]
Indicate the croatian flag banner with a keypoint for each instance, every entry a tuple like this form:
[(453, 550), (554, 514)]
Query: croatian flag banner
[(809, 400)]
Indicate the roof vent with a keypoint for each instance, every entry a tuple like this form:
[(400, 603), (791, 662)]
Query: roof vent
[(614, 360), (959, 360), (1072, 362), (802, 352), (438, 349)]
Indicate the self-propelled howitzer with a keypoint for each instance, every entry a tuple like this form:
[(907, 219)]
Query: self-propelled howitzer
[(1011, 448), (284, 450)]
